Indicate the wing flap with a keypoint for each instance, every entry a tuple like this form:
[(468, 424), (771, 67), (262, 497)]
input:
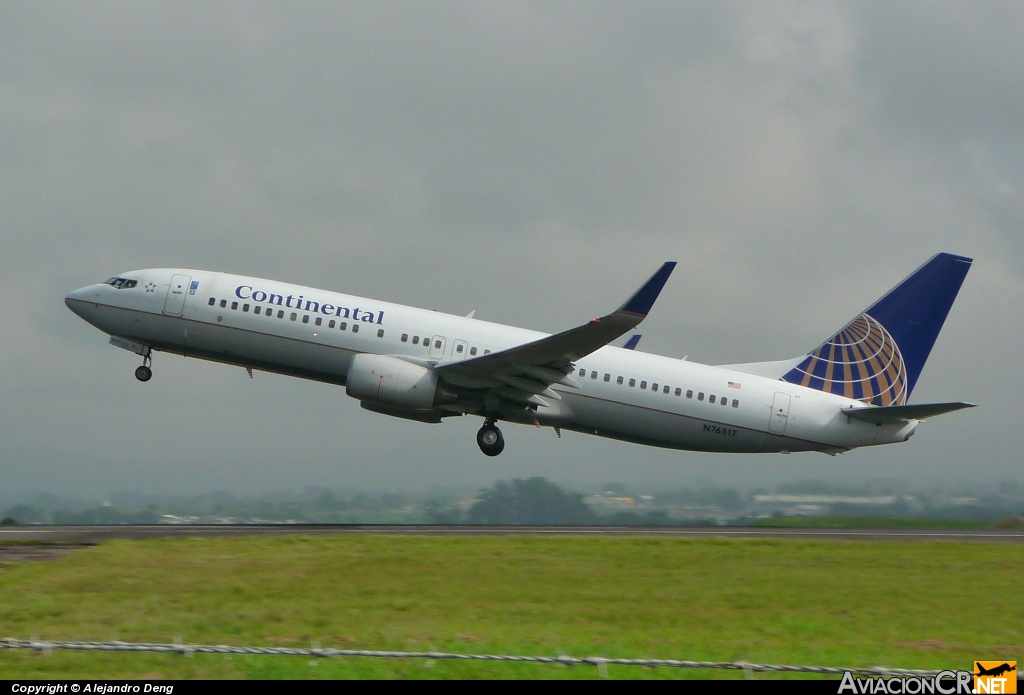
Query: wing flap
[(894, 414)]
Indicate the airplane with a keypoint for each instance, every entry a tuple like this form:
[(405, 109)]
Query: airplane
[(994, 671), (851, 391)]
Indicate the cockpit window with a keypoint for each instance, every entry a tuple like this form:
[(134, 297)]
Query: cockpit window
[(121, 283)]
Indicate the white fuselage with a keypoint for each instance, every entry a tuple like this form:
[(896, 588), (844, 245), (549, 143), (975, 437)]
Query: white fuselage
[(170, 310)]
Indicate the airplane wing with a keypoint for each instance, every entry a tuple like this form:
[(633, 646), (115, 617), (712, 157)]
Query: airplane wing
[(523, 371), (893, 414)]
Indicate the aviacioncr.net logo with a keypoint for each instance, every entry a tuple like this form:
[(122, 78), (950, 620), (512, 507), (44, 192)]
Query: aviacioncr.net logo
[(945, 683)]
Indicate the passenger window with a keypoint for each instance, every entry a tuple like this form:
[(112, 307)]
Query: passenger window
[(654, 387), (618, 381), (711, 398), (234, 306), (643, 384), (223, 303), (486, 351), (593, 374), (245, 308), (583, 372), (212, 301), (689, 393), (256, 310), (280, 313), (725, 401), (355, 327), (305, 318), (405, 337), (735, 403), (437, 344), (679, 392), (294, 316), (665, 389), (330, 324), (632, 382), (700, 396), (415, 340), (343, 325), (380, 332), (472, 351), (607, 377), (458, 348), (318, 321)]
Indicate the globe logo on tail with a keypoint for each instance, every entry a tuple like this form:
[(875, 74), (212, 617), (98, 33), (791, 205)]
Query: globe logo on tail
[(861, 361)]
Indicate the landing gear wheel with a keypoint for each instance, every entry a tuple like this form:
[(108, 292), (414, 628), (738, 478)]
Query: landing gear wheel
[(143, 373), (489, 439)]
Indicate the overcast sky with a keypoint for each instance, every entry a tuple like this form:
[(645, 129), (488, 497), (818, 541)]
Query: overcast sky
[(534, 161)]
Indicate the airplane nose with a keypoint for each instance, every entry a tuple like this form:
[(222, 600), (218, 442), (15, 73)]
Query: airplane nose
[(76, 301)]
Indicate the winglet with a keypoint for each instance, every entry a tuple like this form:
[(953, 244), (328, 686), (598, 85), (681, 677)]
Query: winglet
[(643, 299), (633, 342)]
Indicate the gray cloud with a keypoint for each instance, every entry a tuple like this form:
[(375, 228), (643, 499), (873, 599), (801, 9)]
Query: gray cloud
[(533, 161)]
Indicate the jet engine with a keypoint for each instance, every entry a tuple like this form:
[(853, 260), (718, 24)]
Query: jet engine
[(389, 381)]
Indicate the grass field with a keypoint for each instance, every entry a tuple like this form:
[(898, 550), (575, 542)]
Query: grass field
[(912, 604)]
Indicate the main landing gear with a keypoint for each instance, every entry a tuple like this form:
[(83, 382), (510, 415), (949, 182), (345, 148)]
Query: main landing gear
[(489, 438), (145, 372)]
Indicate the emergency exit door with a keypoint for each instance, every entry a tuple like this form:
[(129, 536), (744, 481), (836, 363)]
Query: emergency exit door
[(437, 344)]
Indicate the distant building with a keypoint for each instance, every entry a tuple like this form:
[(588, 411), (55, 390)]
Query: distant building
[(824, 499)]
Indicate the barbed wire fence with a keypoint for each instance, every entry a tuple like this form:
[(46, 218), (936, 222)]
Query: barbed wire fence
[(600, 662)]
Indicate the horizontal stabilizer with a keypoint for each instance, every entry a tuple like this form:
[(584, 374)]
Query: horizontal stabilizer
[(894, 414)]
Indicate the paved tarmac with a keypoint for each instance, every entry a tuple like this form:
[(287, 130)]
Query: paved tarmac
[(87, 535)]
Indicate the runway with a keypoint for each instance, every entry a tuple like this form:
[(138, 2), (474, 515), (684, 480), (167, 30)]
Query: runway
[(71, 536)]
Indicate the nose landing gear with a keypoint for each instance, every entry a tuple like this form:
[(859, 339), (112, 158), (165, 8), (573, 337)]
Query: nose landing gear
[(489, 439), (145, 372)]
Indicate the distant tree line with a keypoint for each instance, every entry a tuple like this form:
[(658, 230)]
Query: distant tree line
[(533, 501), (539, 502), (530, 501)]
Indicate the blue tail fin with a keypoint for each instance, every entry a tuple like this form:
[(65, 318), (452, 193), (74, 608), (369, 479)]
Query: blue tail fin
[(878, 357)]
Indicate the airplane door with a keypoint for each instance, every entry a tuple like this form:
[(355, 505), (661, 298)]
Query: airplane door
[(780, 413), (437, 346), (176, 291), (460, 350)]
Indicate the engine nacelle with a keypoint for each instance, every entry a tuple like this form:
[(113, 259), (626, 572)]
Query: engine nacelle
[(394, 382)]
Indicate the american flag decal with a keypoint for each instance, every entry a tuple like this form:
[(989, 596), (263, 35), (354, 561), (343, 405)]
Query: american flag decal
[(735, 385)]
